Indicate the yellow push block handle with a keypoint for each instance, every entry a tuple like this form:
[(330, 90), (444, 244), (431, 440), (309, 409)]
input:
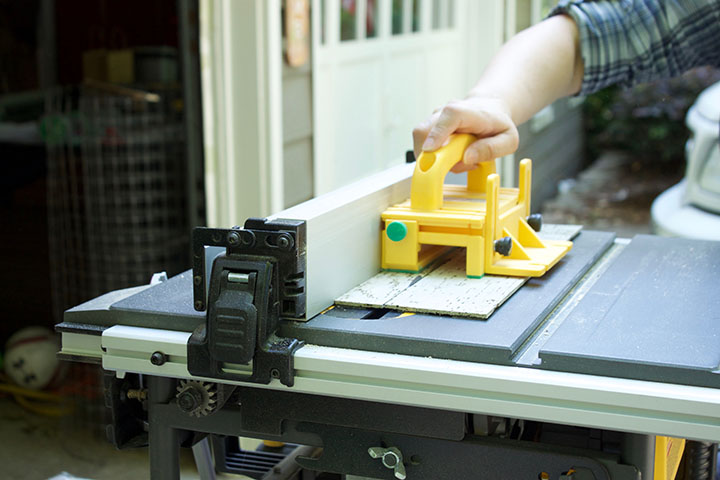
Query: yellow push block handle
[(426, 192)]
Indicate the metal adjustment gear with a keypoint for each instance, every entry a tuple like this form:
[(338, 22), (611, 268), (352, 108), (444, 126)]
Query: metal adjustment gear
[(391, 458), (197, 398)]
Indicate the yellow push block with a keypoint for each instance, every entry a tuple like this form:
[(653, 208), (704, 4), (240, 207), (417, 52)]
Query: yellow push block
[(489, 221), (400, 245), (401, 249)]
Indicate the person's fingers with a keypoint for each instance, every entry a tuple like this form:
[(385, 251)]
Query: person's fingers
[(485, 118), (487, 150), (461, 167), (490, 148), (420, 133), (448, 121)]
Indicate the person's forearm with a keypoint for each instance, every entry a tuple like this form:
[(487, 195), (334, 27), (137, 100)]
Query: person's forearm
[(535, 68)]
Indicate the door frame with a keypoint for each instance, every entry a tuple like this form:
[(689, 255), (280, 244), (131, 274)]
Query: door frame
[(241, 74)]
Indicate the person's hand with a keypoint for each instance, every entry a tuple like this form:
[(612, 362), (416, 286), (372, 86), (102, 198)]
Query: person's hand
[(487, 118)]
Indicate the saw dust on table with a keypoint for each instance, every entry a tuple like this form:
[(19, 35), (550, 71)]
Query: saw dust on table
[(443, 287)]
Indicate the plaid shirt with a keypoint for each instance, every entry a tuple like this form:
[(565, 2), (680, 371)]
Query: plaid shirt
[(633, 41)]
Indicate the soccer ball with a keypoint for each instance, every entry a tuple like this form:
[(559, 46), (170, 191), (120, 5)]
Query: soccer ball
[(31, 360)]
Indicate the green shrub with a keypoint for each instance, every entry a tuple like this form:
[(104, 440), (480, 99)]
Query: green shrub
[(647, 121)]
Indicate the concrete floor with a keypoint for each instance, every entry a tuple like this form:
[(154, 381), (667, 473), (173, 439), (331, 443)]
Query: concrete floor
[(35, 447)]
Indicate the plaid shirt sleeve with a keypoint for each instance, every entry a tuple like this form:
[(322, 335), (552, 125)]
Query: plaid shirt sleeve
[(632, 41)]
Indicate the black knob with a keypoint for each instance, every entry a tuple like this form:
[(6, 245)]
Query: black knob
[(158, 358), (503, 246), (535, 221)]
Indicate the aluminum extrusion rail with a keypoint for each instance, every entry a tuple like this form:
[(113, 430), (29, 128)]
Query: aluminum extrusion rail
[(518, 392)]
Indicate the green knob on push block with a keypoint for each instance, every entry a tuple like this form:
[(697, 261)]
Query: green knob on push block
[(396, 231)]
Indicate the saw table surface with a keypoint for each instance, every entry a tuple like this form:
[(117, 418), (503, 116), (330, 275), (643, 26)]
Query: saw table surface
[(648, 310), (651, 311), (653, 315), (494, 340)]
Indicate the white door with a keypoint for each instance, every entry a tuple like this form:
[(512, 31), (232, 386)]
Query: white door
[(380, 67)]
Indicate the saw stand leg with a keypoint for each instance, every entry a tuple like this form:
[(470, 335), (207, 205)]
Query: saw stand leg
[(164, 439)]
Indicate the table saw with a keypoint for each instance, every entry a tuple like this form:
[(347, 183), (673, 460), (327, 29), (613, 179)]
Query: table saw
[(599, 369)]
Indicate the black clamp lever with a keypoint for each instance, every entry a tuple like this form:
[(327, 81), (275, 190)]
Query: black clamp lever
[(257, 282)]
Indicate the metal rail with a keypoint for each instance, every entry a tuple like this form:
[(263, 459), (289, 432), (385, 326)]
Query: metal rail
[(519, 392)]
